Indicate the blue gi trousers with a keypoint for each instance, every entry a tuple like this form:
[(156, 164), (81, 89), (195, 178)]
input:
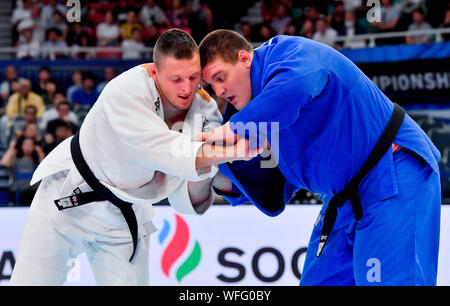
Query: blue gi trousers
[(395, 243)]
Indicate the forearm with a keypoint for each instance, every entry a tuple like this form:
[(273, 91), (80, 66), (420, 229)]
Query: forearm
[(199, 194), (222, 183), (7, 157), (209, 155)]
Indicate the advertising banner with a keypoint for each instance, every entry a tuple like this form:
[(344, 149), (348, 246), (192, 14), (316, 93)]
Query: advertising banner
[(236, 246)]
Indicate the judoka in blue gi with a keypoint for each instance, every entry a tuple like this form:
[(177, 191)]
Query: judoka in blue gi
[(338, 135)]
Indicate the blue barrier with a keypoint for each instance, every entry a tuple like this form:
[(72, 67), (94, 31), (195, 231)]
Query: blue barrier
[(62, 69), (398, 53)]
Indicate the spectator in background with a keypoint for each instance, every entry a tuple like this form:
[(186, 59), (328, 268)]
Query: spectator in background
[(446, 24), (203, 20), (23, 154), (126, 29), (63, 110), (337, 19), (268, 10), (51, 6), (178, 16), (109, 74), (5, 87), (409, 6), (87, 95), (324, 33), (351, 5), (44, 75), (49, 94), (151, 14), (265, 32), (108, 32), (22, 12), (281, 19), (54, 47), (58, 22), (39, 27), (77, 83), (390, 15), (75, 29), (351, 29), (29, 48), (291, 29), (312, 14), (133, 48), (121, 10), (31, 130), (246, 31), (83, 41), (308, 29), (419, 23), (62, 131), (21, 99), (20, 127), (52, 114), (151, 35)]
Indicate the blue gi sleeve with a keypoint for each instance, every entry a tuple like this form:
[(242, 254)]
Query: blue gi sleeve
[(281, 99), (266, 188)]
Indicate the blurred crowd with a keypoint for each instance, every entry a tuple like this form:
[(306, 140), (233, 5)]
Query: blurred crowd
[(326, 21), (129, 24), (136, 24), (35, 118)]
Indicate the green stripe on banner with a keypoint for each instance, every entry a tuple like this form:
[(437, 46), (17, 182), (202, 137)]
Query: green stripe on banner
[(191, 263)]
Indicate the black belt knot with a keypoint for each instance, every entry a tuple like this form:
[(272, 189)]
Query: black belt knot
[(99, 193)]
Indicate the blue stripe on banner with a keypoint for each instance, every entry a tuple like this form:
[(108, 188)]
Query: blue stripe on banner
[(164, 232), (398, 53)]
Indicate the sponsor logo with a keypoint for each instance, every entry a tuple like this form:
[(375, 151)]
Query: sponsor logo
[(176, 247)]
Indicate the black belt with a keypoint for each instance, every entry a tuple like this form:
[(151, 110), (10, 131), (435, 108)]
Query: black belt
[(351, 190), (99, 193)]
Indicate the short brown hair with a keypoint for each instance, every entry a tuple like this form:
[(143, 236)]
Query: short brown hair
[(176, 43), (223, 43)]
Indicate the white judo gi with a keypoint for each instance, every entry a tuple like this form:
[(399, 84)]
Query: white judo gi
[(131, 151)]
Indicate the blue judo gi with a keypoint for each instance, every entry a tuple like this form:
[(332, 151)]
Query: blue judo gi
[(330, 115)]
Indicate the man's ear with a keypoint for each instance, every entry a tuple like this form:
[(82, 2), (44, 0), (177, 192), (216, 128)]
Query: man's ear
[(245, 58), (153, 70)]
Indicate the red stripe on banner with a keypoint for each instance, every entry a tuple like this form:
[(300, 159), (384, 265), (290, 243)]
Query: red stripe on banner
[(176, 247)]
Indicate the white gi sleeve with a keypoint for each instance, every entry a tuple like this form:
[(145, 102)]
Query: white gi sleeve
[(179, 199), (131, 115)]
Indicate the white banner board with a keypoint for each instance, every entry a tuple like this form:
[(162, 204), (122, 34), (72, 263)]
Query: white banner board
[(226, 246)]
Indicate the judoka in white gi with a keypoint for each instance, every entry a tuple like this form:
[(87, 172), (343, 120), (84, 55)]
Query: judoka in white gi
[(131, 141)]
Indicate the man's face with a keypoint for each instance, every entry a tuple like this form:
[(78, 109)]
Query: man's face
[(177, 80), (231, 81), (24, 87), (30, 114), (11, 73), (63, 110), (44, 75), (88, 84)]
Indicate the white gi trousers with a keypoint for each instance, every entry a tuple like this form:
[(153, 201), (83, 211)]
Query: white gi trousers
[(50, 244)]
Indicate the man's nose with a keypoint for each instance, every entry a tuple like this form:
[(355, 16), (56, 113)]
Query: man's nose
[(220, 90)]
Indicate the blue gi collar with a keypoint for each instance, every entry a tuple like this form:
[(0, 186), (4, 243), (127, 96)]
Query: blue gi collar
[(255, 74)]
